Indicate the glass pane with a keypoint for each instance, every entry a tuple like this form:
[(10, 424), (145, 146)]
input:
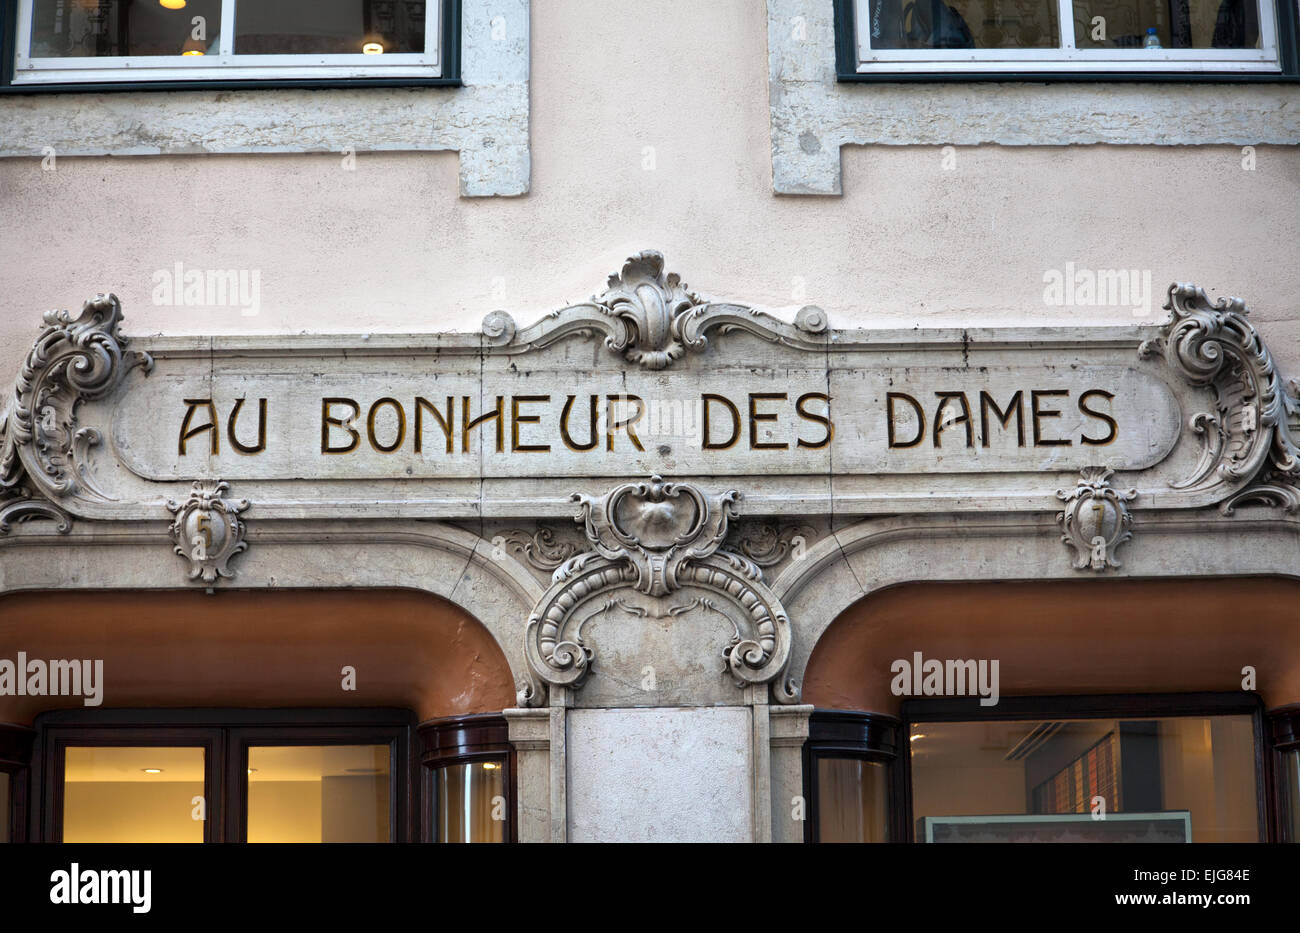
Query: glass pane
[(852, 800), (1158, 780), (319, 793), (471, 802), (964, 24), (329, 27), (79, 28), (133, 795), (1178, 24), (5, 816)]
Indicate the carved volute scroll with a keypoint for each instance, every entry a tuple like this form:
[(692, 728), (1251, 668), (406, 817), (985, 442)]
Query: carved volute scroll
[(43, 453), (652, 319), (656, 538), (1248, 437)]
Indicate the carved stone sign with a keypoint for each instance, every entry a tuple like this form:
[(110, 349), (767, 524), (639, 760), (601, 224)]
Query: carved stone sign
[(650, 378)]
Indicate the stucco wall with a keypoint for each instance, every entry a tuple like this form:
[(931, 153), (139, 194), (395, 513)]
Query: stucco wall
[(650, 128)]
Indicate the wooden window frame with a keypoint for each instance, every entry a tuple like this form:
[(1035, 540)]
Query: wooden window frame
[(151, 73), (226, 735), (16, 744), (1278, 31)]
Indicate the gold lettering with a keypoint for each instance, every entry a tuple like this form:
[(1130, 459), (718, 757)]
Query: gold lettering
[(517, 419), (708, 399), (467, 425), (812, 416), (447, 424), (611, 426), (261, 428), (755, 416), (401, 425), (1004, 416), (890, 398), (1100, 416), (327, 421), (564, 425), (1038, 413), (187, 432), (940, 422)]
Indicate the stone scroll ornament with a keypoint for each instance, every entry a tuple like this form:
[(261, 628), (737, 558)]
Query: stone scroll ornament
[(658, 537), (44, 456), (1096, 519), (207, 531), (1248, 447), (653, 320)]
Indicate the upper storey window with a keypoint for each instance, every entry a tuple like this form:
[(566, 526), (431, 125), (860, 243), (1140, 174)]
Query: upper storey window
[(130, 41), (1067, 36)]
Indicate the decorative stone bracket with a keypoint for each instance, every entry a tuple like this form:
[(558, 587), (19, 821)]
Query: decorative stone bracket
[(1248, 447), (656, 538), (207, 531), (653, 320), (44, 455), (1096, 520)]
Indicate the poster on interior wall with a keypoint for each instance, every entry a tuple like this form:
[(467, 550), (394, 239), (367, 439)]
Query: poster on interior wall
[(1168, 826)]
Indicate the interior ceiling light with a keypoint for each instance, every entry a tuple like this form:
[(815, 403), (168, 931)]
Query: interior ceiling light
[(172, 4), (152, 770), (372, 48), (490, 766)]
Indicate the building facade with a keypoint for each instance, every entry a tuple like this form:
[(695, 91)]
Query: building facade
[(594, 422)]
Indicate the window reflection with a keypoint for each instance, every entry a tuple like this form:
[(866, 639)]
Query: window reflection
[(470, 802), (133, 794), (319, 793), (94, 28), (852, 800), (329, 27), (1174, 779), (1291, 780)]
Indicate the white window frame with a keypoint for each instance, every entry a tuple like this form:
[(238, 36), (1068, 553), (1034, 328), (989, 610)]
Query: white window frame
[(225, 65), (1068, 57)]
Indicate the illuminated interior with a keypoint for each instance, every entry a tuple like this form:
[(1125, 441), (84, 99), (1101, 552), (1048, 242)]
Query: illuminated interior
[(319, 793), (1203, 767), (142, 794)]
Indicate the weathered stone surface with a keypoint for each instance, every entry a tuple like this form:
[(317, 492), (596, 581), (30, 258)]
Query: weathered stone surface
[(684, 775), (486, 120), (812, 115)]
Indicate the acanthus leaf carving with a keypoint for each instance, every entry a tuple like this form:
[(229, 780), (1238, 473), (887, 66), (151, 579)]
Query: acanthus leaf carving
[(653, 319), (43, 453), (1248, 437), (1096, 519), (656, 538), (207, 531)]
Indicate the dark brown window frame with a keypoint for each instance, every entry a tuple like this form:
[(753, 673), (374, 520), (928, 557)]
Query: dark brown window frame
[(225, 734), (850, 734), (464, 740), (15, 760)]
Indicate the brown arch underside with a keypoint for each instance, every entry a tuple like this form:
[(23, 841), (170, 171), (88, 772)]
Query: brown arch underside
[(242, 648), (1113, 636)]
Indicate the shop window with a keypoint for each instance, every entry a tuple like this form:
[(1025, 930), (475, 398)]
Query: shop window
[(116, 41), (133, 793), (1087, 769), (226, 775), (1066, 36), (319, 793), (469, 768), (1286, 760)]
